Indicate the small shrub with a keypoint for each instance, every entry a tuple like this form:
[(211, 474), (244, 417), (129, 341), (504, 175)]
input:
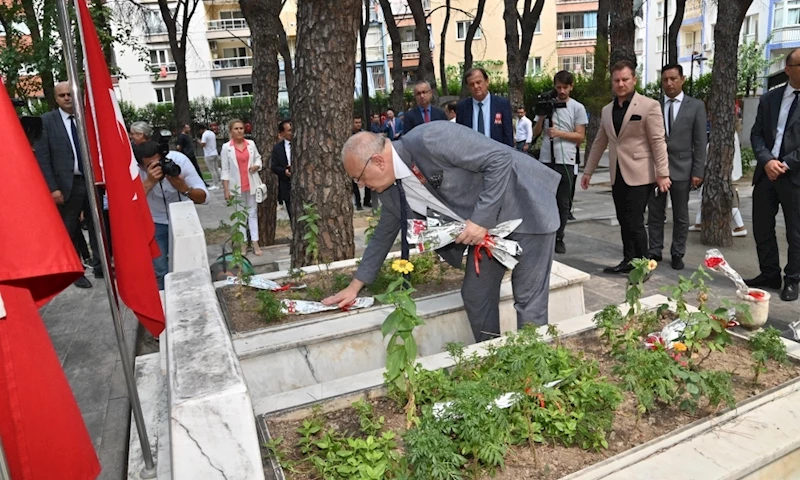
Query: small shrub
[(766, 345), (315, 293), (340, 282), (269, 306)]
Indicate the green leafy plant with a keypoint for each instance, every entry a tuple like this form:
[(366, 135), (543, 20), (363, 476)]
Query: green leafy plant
[(311, 237), (401, 351), (340, 282), (315, 293), (372, 223), (297, 274), (766, 345), (641, 270), (238, 228), (269, 306)]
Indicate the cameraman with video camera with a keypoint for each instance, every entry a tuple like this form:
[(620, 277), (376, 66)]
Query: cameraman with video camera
[(564, 121), (156, 164)]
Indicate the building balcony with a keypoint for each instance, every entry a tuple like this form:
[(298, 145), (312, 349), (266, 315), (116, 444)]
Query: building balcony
[(778, 66), (694, 10), (686, 51), (164, 71), (575, 6), (226, 29), (786, 34), (231, 67), (374, 54), (639, 47), (410, 49), (577, 36)]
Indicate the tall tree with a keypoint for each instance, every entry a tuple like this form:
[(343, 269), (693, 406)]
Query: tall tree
[(397, 98), (286, 53), (473, 28), (600, 91), (717, 189), (42, 28), (322, 110), (622, 31), (362, 37), (442, 43), (425, 68), (179, 17), (261, 17), (16, 47), (517, 53), (674, 29)]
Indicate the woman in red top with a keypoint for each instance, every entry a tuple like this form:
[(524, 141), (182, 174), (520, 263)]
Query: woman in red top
[(241, 163)]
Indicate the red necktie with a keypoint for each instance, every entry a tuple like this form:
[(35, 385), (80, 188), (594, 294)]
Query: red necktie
[(427, 116)]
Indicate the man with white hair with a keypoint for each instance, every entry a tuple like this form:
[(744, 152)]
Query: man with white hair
[(466, 176)]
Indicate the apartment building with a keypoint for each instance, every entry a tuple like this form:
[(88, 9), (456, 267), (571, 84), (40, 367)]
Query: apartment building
[(219, 58), (576, 23)]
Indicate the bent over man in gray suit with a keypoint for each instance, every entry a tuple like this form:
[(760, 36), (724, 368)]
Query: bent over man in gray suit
[(466, 176), (685, 123)]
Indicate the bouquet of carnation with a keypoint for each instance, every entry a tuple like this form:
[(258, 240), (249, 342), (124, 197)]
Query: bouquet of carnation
[(307, 307), (716, 262), (437, 231)]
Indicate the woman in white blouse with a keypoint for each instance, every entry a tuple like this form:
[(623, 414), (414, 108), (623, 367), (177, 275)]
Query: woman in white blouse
[(241, 163)]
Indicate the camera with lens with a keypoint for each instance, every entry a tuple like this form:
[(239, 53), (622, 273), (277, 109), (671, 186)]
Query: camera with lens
[(31, 125), (162, 137), (547, 103)]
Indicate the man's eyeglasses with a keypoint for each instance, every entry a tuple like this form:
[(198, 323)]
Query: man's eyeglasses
[(358, 179)]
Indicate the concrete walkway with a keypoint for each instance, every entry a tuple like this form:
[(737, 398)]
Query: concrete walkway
[(80, 324)]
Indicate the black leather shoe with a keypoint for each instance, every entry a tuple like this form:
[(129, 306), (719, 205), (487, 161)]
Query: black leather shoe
[(789, 293), (763, 281), (560, 247), (98, 272), (623, 267), (653, 256), (677, 263), (82, 282), (571, 217)]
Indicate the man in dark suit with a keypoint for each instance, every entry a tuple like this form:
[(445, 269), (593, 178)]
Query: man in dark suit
[(685, 121), (483, 112), (393, 128), (375, 126), (775, 137), (281, 165), (424, 112), (459, 173), (59, 156)]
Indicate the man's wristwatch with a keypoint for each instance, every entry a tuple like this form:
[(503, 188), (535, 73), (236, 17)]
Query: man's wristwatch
[(187, 192)]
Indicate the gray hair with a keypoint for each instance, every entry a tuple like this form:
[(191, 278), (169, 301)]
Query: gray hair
[(423, 82), (363, 145), (143, 128)]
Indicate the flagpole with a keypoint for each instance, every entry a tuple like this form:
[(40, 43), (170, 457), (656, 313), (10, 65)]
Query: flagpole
[(149, 470), (4, 472)]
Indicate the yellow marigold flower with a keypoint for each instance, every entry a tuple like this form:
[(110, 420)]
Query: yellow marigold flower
[(679, 346), (402, 266), (652, 265)]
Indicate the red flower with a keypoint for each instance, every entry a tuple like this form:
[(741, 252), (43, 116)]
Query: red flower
[(757, 295), (714, 262), (418, 226)]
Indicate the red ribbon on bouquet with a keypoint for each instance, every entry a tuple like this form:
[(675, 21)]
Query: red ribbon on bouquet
[(486, 245)]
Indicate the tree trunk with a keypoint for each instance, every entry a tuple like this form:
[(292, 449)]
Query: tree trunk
[(102, 21), (425, 68), (717, 189), (41, 41), (364, 27), (601, 86), (674, 29), (442, 43), (517, 54), (177, 44), (260, 16), (322, 111), (286, 54), (473, 27), (397, 98), (623, 31)]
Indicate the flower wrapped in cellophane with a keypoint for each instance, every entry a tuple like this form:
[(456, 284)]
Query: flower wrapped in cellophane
[(307, 307)]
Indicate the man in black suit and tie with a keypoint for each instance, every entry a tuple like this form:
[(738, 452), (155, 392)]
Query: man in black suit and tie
[(393, 128), (424, 112), (483, 112), (281, 165), (685, 121), (59, 156), (775, 137)]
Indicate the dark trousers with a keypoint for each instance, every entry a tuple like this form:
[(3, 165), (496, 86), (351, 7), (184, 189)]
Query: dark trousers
[(767, 196), (630, 202), (357, 193), (71, 210), (563, 194), (76, 234), (196, 166), (287, 202), (657, 213)]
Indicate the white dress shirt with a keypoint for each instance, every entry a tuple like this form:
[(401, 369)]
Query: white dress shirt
[(209, 139), (676, 106), (783, 117), (417, 196), (524, 130), (72, 141), (288, 146), (161, 195), (486, 108)]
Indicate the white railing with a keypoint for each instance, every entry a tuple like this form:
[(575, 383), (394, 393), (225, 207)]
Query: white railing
[(786, 34), (576, 63), (407, 47), (777, 66), (227, 24), (689, 50), (233, 62), (168, 67), (639, 48), (694, 9), (374, 54), (577, 34)]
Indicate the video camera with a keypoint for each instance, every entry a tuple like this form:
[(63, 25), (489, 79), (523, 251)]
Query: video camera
[(31, 125), (162, 136), (547, 103)]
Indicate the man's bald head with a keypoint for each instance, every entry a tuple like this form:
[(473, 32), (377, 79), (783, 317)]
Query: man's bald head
[(792, 68), (367, 159), (63, 92)]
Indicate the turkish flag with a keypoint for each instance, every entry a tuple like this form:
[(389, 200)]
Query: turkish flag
[(41, 427), (132, 227)]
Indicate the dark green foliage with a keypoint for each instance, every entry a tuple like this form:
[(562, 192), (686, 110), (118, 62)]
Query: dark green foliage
[(269, 306)]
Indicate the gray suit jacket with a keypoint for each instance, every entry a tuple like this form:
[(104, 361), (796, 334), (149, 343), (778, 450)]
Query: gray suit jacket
[(54, 154), (686, 144), (477, 178)]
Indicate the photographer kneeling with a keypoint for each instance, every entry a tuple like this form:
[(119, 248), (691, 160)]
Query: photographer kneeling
[(157, 163), (564, 122)]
